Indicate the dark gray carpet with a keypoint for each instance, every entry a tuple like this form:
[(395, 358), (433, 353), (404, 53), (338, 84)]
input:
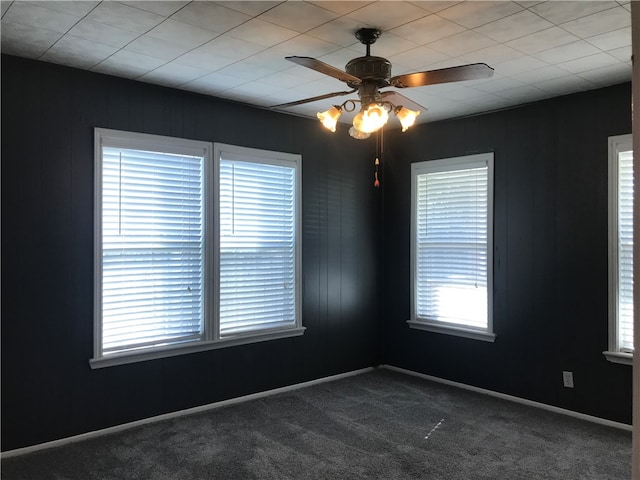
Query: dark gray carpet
[(378, 425)]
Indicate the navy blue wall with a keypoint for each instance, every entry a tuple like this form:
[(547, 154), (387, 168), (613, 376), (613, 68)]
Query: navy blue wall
[(550, 293), (550, 252), (48, 389)]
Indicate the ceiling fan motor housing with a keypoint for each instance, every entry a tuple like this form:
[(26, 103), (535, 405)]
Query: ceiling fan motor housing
[(376, 69)]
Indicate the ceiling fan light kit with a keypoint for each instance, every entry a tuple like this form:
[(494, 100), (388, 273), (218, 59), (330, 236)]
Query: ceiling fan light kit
[(366, 76)]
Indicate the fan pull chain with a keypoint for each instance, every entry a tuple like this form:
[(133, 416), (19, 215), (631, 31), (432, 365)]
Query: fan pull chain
[(380, 144)]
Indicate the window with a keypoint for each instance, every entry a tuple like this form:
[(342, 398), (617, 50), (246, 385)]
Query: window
[(451, 246), (620, 250), (184, 263), (258, 241)]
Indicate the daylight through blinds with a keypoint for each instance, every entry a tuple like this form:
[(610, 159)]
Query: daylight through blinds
[(451, 246), (152, 242), (257, 246), (625, 251)]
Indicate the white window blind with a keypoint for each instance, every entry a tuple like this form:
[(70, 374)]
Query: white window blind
[(193, 251), (258, 257), (620, 247), (152, 249), (452, 242), (625, 250)]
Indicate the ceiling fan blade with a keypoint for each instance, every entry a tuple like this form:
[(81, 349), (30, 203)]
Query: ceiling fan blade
[(400, 100), (318, 66), (312, 99), (472, 71)]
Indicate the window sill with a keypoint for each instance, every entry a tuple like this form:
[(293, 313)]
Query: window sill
[(184, 349), (452, 330), (619, 357)]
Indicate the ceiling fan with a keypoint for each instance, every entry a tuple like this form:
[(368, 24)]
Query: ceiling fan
[(366, 76)]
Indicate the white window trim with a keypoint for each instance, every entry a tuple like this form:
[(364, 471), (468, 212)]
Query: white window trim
[(617, 144), (211, 339), (487, 334), (273, 158)]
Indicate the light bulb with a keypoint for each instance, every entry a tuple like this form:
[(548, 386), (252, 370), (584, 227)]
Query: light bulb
[(407, 117), (357, 134), (371, 119), (330, 118)]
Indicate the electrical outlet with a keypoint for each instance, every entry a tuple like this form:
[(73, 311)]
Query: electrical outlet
[(567, 379)]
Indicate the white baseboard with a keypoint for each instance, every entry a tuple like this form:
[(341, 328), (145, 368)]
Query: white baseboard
[(523, 401), (180, 413)]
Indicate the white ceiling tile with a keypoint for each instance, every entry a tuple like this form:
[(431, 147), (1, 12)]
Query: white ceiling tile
[(173, 74), (475, 14), (273, 58), (427, 29), (156, 47), (102, 33), (612, 40), (255, 88), (567, 52), (216, 82), (24, 40), (341, 8), (306, 46), (181, 34), (609, 75), (521, 93), (499, 84), (262, 33), (165, 8), (210, 16), (26, 13), (540, 74), (518, 65), (542, 40), (463, 93), (485, 101), (233, 48), (598, 23), (529, 3), (125, 17), (298, 16), (281, 79), (387, 45), (339, 31), (514, 26), (418, 57), (209, 56), (623, 53), (462, 43), (77, 52), (565, 85), (252, 8), (76, 8), (492, 55), (558, 12), (387, 15), (132, 64), (246, 70), (4, 6), (591, 62), (435, 6)]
